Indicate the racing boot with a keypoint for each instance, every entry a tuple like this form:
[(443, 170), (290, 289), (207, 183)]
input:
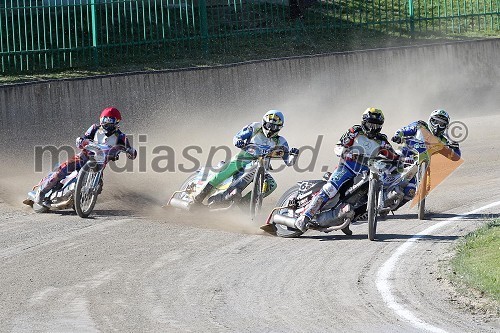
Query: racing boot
[(302, 223), (198, 199), (232, 193), (401, 204), (216, 199), (40, 197), (347, 231), (314, 206)]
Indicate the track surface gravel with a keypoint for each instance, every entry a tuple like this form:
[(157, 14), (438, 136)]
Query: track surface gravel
[(136, 270)]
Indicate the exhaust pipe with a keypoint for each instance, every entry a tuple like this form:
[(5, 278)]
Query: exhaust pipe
[(345, 217), (284, 220), (178, 203), (290, 221)]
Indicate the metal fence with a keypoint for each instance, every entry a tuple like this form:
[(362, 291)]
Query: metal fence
[(38, 35)]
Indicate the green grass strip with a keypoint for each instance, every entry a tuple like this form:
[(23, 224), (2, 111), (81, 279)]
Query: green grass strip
[(477, 262)]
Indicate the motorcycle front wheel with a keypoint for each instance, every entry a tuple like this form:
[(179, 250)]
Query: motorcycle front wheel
[(86, 192), (423, 178), (257, 192), (372, 208)]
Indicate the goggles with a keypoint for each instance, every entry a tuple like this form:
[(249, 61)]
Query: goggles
[(372, 126), (272, 127), (438, 122), (108, 120)]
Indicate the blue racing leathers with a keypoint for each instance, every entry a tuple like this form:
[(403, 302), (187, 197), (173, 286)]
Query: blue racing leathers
[(449, 149), (354, 148)]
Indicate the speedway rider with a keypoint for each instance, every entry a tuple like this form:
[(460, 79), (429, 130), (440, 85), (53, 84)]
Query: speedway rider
[(438, 123), (106, 132), (355, 148), (264, 133)]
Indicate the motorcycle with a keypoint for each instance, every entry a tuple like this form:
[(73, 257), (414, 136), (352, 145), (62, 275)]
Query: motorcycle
[(79, 190), (385, 190), (387, 183), (229, 193), (337, 214)]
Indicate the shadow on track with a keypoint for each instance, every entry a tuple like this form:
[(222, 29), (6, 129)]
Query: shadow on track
[(399, 237), (383, 237), (439, 216), (99, 213)]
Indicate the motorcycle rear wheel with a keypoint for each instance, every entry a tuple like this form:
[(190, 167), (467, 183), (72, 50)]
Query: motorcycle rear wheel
[(85, 202), (283, 230), (372, 208)]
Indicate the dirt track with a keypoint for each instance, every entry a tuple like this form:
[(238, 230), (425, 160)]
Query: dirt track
[(135, 268)]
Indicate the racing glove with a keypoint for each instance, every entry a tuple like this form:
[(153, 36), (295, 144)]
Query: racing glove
[(406, 159), (292, 156), (240, 143), (81, 143), (131, 153), (453, 145), (397, 138)]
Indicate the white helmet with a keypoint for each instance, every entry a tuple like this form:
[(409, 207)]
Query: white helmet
[(438, 121), (272, 123)]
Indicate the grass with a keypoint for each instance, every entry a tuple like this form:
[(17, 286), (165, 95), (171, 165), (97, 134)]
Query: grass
[(477, 263), (252, 31), (273, 46)]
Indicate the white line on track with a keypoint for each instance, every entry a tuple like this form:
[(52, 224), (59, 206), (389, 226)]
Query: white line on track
[(385, 272)]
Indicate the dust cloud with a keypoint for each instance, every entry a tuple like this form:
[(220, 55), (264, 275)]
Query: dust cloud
[(326, 105)]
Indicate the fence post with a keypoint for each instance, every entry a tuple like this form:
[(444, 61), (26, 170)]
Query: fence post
[(1, 43), (94, 33), (203, 26), (412, 18)]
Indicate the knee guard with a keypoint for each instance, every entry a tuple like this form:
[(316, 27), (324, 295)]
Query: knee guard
[(315, 205), (269, 185), (328, 191), (409, 191)]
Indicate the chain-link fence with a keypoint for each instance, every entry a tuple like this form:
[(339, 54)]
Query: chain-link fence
[(37, 35)]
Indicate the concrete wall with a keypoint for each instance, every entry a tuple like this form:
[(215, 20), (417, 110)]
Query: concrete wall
[(462, 76)]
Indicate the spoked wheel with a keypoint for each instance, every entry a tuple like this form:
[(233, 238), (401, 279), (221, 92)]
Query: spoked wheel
[(423, 177), (283, 230), (257, 192), (86, 191), (372, 208)]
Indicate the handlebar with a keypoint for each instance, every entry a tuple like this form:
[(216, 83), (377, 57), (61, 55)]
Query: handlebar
[(383, 159), (422, 142), (102, 152), (265, 150)]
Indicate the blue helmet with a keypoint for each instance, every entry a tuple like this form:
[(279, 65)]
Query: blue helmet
[(272, 123)]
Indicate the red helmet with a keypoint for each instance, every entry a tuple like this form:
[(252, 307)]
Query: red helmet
[(109, 119)]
